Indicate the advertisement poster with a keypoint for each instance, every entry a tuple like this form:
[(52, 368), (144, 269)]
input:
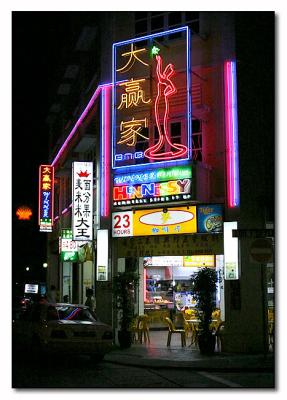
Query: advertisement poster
[(165, 222), (210, 218)]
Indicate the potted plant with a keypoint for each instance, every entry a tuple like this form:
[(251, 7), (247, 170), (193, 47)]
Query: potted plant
[(204, 291), (124, 285)]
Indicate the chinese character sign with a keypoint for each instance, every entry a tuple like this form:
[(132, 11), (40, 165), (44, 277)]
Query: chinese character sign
[(151, 100), (46, 197), (82, 201), (154, 222)]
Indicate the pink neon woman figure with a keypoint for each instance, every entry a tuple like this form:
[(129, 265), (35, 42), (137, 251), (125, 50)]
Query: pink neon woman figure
[(165, 89)]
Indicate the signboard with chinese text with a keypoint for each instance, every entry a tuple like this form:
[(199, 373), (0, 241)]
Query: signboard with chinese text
[(154, 222), (152, 90), (169, 245), (199, 261), (46, 197), (172, 221), (68, 246), (82, 200), (210, 218)]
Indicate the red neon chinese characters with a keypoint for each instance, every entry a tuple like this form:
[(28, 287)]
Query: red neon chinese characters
[(165, 89)]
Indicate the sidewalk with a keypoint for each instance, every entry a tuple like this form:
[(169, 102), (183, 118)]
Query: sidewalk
[(157, 355)]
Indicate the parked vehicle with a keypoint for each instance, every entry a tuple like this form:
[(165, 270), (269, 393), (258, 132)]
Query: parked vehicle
[(61, 329)]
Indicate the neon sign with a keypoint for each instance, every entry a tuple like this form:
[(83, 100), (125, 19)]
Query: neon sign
[(152, 192), (155, 89), (134, 94), (46, 197), (154, 175), (231, 127), (165, 88), (24, 213)]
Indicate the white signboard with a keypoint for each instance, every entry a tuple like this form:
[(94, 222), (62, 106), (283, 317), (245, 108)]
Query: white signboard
[(230, 251), (31, 288), (102, 254), (82, 195), (122, 224), (167, 261)]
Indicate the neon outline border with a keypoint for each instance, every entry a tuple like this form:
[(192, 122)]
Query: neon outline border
[(105, 153), (188, 84), (231, 127), (104, 201)]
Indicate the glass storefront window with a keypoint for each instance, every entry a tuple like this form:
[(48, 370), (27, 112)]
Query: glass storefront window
[(167, 286)]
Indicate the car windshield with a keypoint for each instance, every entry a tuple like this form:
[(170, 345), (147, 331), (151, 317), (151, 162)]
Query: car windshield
[(69, 313)]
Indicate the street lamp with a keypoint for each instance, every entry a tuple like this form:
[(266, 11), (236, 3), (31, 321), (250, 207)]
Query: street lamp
[(27, 269), (45, 265)]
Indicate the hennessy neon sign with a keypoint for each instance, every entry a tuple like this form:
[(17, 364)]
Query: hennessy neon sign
[(153, 189), (147, 99)]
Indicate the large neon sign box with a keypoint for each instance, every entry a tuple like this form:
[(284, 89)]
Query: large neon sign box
[(154, 94)]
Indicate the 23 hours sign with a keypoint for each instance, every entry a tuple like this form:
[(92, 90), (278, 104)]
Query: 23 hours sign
[(122, 224)]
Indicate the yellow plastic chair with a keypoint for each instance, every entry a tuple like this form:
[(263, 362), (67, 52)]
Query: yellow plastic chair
[(143, 328), (186, 326), (194, 333), (134, 329), (172, 329)]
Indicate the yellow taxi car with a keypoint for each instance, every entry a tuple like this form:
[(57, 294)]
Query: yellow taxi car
[(61, 328)]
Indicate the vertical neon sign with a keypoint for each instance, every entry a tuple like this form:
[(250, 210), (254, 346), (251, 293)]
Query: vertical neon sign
[(46, 198), (105, 150), (155, 78), (231, 127)]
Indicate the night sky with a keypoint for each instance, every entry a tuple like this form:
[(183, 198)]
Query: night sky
[(39, 43)]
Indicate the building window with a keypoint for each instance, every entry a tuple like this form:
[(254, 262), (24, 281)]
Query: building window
[(157, 23), (175, 130), (147, 22), (141, 15), (192, 20), (141, 27), (196, 140), (142, 144), (174, 19)]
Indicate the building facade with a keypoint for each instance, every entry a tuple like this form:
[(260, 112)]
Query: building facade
[(160, 120)]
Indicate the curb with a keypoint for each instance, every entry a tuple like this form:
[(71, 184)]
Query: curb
[(205, 365)]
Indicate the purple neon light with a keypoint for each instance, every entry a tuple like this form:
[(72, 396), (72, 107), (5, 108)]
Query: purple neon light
[(105, 150), (231, 126), (78, 123), (81, 119)]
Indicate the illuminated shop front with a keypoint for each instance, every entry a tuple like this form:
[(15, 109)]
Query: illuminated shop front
[(159, 217), (167, 287), (169, 245)]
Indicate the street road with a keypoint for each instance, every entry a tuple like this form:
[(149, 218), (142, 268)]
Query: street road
[(81, 372)]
